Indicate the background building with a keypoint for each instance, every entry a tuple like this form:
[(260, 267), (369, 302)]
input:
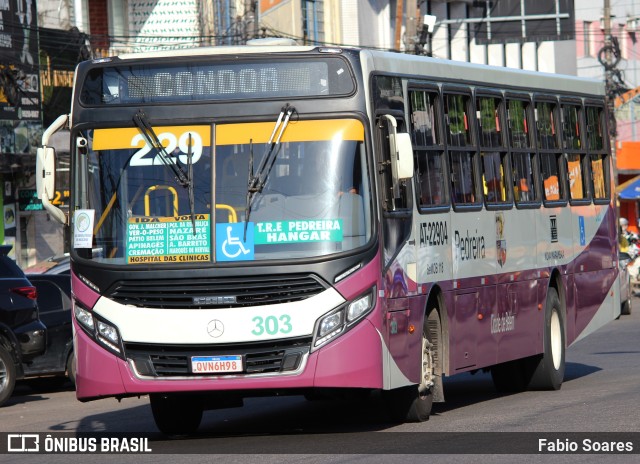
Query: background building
[(20, 115)]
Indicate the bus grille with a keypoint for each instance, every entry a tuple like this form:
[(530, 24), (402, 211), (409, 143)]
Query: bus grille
[(174, 360), (226, 292)]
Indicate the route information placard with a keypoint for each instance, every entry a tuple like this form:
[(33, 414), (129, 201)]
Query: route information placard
[(168, 239)]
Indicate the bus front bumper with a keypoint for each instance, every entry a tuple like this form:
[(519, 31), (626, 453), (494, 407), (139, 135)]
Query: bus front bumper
[(353, 360)]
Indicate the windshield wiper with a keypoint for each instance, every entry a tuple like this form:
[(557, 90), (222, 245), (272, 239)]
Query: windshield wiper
[(141, 122), (184, 179), (257, 182)]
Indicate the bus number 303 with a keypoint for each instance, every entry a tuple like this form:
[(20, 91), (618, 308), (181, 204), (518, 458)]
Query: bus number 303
[(271, 325)]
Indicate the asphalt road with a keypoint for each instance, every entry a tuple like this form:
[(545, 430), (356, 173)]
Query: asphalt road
[(598, 401)]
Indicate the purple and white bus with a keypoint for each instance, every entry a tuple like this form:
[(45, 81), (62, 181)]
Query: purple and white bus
[(297, 220)]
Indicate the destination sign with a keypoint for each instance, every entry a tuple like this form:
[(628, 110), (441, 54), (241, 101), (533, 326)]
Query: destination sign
[(218, 81), (279, 232), (168, 239)]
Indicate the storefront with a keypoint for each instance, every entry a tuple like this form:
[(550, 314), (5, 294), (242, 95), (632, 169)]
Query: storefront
[(20, 123)]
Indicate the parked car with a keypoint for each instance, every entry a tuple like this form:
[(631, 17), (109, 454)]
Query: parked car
[(22, 334), (59, 264), (54, 302), (626, 288)]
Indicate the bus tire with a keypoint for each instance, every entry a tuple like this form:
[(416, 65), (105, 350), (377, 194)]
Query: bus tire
[(71, 368), (548, 369), (413, 403), (626, 306), (7, 375), (176, 415)]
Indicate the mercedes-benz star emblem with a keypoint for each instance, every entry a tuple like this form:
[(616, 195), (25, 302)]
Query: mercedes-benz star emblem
[(215, 328)]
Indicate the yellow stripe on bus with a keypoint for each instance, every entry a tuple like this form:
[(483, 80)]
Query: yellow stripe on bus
[(122, 138), (298, 131)]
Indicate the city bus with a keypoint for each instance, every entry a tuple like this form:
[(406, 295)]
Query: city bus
[(281, 219)]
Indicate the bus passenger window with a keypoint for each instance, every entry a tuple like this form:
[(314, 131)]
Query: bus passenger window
[(522, 151), (462, 177), (428, 148), (574, 152), (524, 185), (551, 177), (492, 148), (456, 109), (598, 153), (574, 171), (493, 177), (598, 174), (571, 127), (595, 129), (546, 123)]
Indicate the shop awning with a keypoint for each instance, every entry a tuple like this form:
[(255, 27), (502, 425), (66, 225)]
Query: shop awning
[(629, 190)]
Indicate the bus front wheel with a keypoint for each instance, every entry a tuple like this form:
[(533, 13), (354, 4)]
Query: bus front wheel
[(413, 403), (176, 415), (548, 369)]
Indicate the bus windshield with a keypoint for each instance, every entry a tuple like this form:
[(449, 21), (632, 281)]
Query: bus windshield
[(314, 201)]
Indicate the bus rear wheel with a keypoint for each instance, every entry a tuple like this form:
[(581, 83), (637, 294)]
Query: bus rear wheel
[(176, 415), (548, 368), (413, 403)]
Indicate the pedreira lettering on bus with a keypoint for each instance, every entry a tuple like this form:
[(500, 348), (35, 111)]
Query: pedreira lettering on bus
[(470, 247)]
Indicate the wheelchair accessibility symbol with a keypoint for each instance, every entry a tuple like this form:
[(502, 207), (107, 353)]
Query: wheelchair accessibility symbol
[(229, 244)]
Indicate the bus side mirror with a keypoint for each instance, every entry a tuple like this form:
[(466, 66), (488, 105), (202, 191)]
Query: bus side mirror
[(404, 157), (401, 151), (45, 172)]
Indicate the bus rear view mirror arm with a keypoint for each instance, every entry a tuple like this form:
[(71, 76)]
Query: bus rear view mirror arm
[(46, 170)]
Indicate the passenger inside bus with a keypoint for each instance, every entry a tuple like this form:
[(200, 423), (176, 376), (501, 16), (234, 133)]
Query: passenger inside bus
[(492, 177)]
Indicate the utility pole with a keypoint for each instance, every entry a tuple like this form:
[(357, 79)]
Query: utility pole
[(399, 7), (410, 31), (251, 19), (608, 46)]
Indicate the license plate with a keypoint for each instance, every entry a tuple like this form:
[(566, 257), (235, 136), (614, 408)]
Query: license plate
[(216, 364)]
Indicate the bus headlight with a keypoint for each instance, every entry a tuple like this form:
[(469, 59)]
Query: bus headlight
[(84, 318), (330, 324), (100, 330), (108, 335), (336, 322), (359, 307)]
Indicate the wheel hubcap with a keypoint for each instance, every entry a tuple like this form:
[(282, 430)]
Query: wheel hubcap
[(427, 366), (3, 375), (556, 340)]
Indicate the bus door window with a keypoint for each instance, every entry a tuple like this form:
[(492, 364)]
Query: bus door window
[(462, 152), (428, 148), (595, 134), (574, 151), (493, 151), (550, 156), (522, 151), (391, 200), (397, 219)]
